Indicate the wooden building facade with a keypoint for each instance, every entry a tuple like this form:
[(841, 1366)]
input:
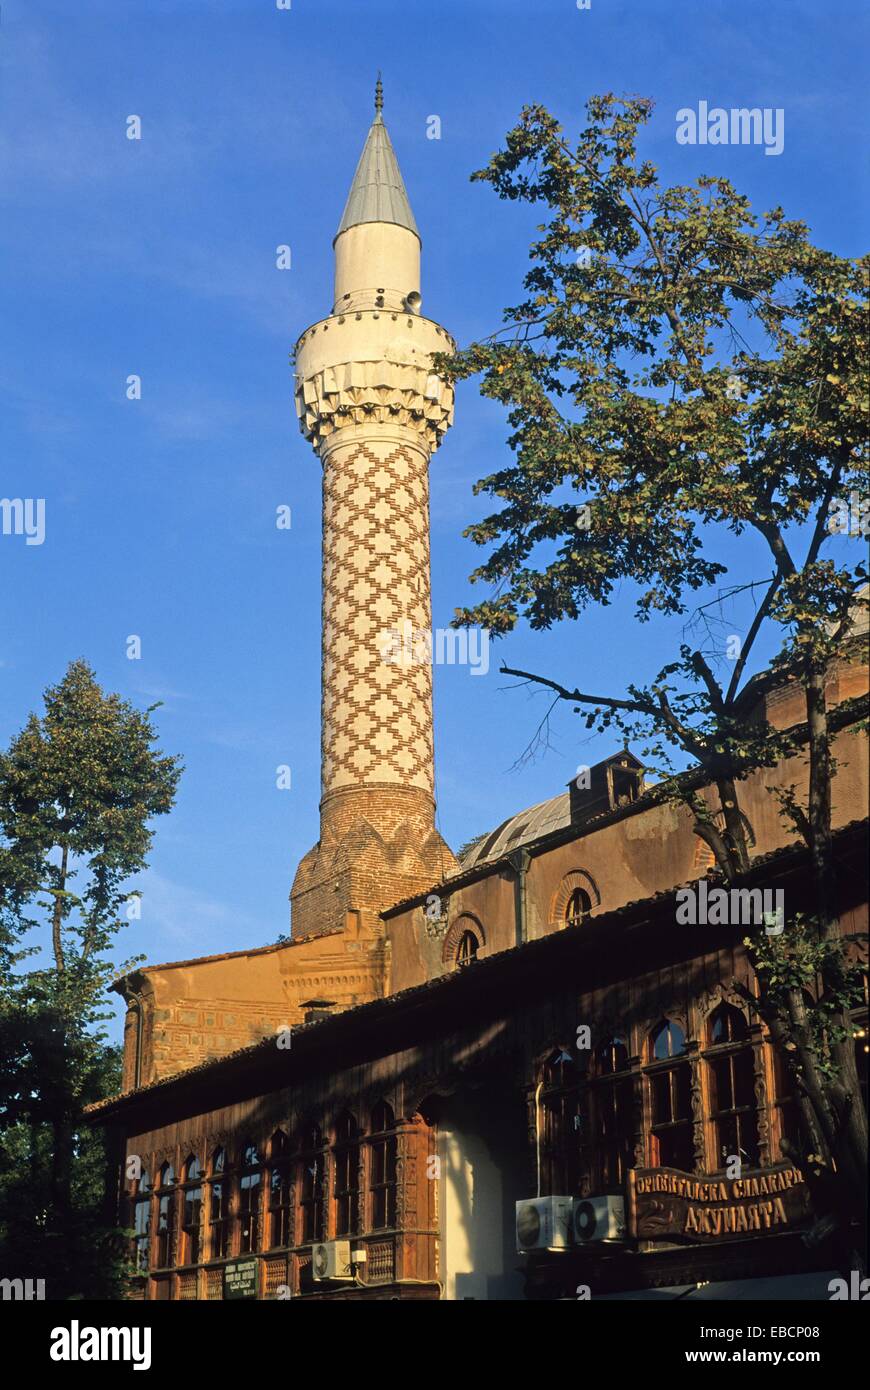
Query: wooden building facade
[(615, 1057)]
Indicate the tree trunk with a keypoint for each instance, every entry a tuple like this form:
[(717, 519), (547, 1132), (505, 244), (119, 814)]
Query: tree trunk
[(57, 915)]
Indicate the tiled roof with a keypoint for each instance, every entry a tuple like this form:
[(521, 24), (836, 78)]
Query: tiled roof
[(226, 955)]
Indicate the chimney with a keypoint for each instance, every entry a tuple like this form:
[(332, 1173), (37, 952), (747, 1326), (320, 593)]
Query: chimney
[(316, 1009)]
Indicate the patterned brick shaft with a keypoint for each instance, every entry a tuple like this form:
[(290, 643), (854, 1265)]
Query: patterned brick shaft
[(377, 679), (372, 408)]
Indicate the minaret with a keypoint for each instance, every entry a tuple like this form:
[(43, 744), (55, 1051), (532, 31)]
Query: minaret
[(375, 412)]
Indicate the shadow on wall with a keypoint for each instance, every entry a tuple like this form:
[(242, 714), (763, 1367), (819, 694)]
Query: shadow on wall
[(482, 1143)]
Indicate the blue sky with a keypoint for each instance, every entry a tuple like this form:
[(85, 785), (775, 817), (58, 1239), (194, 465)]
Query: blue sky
[(157, 257)]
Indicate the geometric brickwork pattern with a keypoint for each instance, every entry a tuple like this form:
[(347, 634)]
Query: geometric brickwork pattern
[(377, 677)]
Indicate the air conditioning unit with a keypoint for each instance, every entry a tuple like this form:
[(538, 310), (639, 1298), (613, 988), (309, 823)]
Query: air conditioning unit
[(331, 1260), (544, 1223), (598, 1218)]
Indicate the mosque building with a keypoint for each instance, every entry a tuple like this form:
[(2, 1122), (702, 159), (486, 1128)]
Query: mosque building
[(506, 1074)]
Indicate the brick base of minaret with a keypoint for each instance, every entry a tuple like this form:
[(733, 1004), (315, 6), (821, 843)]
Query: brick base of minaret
[(377, 846)]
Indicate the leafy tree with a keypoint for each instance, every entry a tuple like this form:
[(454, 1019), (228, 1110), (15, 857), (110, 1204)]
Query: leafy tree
[(681, 368), (78, 787)]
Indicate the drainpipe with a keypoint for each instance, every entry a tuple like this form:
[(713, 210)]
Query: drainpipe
[(519, 862)]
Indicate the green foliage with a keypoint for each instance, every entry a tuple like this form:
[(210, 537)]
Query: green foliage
[(83, 781), (678, 365), (78, 787), (677, 362), (795, 962)]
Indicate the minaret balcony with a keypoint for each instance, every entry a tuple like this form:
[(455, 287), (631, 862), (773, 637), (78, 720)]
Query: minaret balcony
[(372, 366)]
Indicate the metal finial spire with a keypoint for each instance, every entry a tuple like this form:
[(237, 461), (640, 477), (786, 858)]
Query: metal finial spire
[(377, 193)]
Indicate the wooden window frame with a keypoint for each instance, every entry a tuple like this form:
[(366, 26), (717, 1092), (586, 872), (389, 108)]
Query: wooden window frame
[(612, 1158), (279, 1213), (143, 1239), (559, 1120), (250, 1180), (312, 1226), (383, 1154), (575, 919), (346, 1199), (219, 1228), (191, 1234), (677, 1067), (166, 1195), (743, 1116)]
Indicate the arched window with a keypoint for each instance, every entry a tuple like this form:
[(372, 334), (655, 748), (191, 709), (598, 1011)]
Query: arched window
[(191, 1211), (382, 1167), (578, 906), (464, 942), (250, 1187), (576, 896), (218, 1207), (280, 1191), (669, 1082), (730, 1062), (142, 1223), (346, 1174), (726, 1024), (559, 1122), (467, 949), (311, 1160), (667, 1040), (166, 1205), (613, 1111)]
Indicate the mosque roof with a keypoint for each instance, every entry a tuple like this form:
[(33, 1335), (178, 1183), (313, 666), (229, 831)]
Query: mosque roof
[(517, 830)]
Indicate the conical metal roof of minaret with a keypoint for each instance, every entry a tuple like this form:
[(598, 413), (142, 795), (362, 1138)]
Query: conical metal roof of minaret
[(377, 193)]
